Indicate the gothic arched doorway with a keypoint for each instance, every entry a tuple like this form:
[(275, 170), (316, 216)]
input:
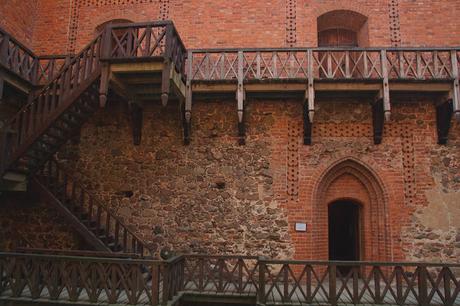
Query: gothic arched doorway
[(344, 230), (350, 188)]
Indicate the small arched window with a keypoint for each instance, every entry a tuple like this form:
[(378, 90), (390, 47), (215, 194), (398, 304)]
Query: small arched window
[(101, 27), (342, 28)]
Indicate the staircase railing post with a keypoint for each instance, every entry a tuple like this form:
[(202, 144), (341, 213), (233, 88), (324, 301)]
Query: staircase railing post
[(166, 281), (332, 284)]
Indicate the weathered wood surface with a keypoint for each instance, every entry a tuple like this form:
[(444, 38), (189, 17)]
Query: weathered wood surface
[(134, 281)]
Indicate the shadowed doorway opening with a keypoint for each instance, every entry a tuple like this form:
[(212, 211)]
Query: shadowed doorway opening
[(344, 232)]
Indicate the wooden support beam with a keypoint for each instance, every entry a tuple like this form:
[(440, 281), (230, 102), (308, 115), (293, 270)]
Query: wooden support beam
[(444, 111), (136, 122), (456, 87), (168, 66), (307, 125), (187, 120), (104, 84), (385, 86), (240, 97), (310, 94), (378, 118), (119, 86)]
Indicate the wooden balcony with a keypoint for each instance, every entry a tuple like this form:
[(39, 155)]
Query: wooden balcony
[(85, 279), (376, 74)]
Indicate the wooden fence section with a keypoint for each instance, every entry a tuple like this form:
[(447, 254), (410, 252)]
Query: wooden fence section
[(325, 64), (147, 40), (272, 282)]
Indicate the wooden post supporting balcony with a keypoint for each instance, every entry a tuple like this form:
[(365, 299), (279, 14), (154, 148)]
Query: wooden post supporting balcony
[(188, 101), (456, 86), (240, 97)]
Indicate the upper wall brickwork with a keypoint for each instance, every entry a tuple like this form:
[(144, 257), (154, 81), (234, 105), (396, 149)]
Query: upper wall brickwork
[(60, 26), (18, 17)]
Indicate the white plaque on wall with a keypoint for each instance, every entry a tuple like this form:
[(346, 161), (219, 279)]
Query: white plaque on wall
[(300, 227)]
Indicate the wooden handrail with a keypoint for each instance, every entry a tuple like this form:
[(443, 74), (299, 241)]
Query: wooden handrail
[(269, 281)]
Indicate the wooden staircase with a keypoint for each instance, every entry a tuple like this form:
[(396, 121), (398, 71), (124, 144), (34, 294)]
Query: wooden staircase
[(88, 216), (52, 115)]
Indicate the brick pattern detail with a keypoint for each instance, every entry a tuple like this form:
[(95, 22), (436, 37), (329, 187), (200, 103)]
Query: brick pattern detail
[(293, 161), (113, 2), (291, 35), (73, 26), (164, 10), (408, 159), (395, 33), (342, 130)]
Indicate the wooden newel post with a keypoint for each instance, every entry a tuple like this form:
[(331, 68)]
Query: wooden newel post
[(261, 293), (166, 73), (166, 287), (105, 54), (333, 284), (155, 284)]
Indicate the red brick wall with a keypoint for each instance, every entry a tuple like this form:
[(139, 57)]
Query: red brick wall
[(51, 27), (18, 17), (430, 23), (67, 25)]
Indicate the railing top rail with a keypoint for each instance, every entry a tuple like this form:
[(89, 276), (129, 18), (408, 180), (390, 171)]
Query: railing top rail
[(82, 258), (55, 56), (160, 23), (75, 253), (17, 42), (358, 263), (300, 49), (221, 256)]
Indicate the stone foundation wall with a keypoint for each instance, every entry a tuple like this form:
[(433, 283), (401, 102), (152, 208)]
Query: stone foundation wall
[(217, 197)]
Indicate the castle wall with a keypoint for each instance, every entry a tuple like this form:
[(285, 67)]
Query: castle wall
[(218, 197)]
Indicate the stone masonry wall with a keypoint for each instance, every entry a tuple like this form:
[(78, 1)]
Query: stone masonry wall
[(27, 221), (215, 196)]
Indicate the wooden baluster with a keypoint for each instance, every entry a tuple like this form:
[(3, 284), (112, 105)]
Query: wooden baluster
[(309, 284), (333, 284), (148, 41), (423, 286), (418, 57), (90, 209), (261, 294), (201, 274), (347, 65), (399, 286), (107, 225), (355, 291), (240, 275), (446, 277), (125, 240), (117, 229), (98, 219), (285, 297), (155, 284), (166, 284), (402, 73), (377, 292), (220, 282)]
